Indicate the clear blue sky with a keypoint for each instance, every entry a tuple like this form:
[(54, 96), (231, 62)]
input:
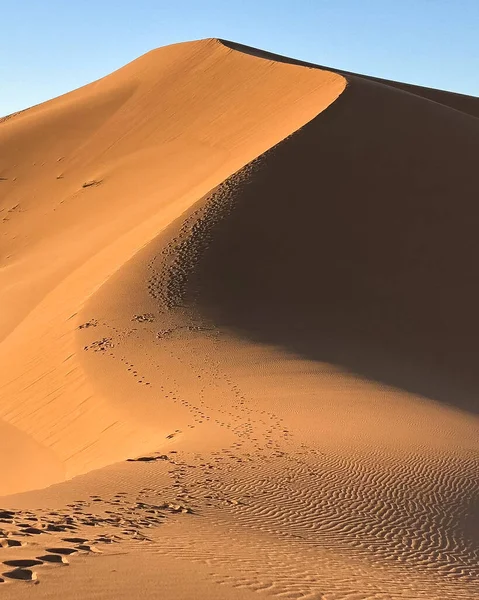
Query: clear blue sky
[(48, 47)]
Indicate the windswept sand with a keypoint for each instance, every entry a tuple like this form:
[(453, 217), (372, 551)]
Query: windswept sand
[(256, 277)]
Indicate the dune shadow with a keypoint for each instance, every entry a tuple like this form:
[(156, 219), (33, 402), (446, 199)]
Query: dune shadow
[(355, 242)]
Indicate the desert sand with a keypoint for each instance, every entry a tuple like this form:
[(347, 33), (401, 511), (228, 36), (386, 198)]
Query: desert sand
[(238, 335)]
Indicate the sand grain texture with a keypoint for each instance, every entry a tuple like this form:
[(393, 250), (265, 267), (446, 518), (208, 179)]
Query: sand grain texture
[(238, 334)]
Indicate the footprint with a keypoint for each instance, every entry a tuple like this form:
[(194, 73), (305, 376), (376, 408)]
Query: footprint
[(65, 551), (33, 531), (22, 575), (89, 548), (23, 562), (57, 528), (54, 558), (92, 182), (104, 540), (9, 543)]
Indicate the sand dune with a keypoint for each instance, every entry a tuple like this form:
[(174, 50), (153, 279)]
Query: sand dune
[(253, 278), (173, 124)]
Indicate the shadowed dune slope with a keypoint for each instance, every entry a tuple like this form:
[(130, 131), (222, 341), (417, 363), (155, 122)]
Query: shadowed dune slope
[(89, 178), (354, 241)]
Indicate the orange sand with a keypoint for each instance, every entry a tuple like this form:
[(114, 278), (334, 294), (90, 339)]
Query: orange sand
[(259, 273)]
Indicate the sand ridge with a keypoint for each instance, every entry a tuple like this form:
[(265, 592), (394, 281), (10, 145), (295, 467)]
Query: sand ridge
[(278, 343)]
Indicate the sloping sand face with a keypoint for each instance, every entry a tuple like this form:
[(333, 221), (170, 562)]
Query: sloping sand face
[(279, 328), (87, 180)]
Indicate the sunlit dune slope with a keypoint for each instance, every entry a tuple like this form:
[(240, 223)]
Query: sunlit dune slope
[(196, 107), (461, 102), (89, 178)]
